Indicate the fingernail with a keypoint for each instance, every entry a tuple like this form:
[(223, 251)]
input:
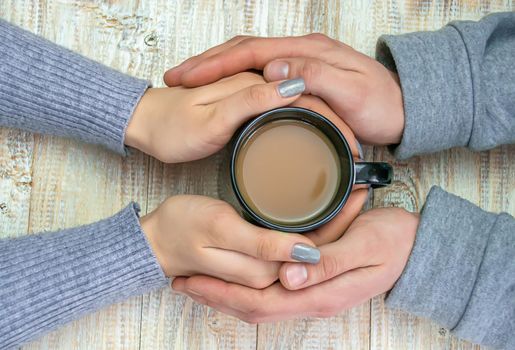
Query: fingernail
[(190, 291), (305, 253), (296, 274), (278, 70), (291, 87)]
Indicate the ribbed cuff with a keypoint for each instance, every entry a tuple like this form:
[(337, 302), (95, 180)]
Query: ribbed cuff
[(49, 279), (439, 278), (47, 89), (436, 83)]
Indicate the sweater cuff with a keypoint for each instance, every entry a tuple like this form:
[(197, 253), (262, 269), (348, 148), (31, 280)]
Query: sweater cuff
[(435, 77), (53, 278), (439, 278), (48, 89)]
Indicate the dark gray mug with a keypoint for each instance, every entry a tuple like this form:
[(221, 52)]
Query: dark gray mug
[(374, 174)]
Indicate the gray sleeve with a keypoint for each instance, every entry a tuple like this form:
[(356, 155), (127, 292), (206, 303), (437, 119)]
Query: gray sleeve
[(458, 84), (461, 271), (49, 279), (47, 89)]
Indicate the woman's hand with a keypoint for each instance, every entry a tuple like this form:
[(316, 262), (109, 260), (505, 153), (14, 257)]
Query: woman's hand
[(179, 124), (193, 235), (366, 261), (365, 94)]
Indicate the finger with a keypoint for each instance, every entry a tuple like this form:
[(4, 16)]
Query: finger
[(276, 303), (233, 266), (234, 110), (173, 75), (333, 230), (225, 87), (337, 87), (255, 53), (350, 252), (318, 105), (247, 303), (263, 244)]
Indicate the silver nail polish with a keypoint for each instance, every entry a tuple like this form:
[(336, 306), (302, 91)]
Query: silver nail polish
[(291, 87), (305, 253)]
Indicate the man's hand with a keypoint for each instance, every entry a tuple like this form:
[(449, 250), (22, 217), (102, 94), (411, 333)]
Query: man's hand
[(366, 261), (365, 94), (179, 125)]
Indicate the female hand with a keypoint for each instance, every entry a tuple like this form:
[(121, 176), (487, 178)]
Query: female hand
[(365, 94), (179, 124), (365, 262), (199, 235)]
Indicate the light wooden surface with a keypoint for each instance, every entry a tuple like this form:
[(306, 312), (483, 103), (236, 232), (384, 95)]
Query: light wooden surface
[(48, 183)]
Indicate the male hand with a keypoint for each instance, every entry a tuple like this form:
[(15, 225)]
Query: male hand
[(365, 94), (179, 124), (366, 261)]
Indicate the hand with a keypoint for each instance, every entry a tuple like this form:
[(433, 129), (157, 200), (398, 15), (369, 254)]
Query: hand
[(366, 261), (178, 124), (200, 235), (365, 94)]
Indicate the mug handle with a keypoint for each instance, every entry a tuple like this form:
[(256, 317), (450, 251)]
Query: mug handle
[(374, 174)]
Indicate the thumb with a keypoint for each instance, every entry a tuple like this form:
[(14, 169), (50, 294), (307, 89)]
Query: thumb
[(336, 258), (332, 84), (256, 99), (269, 245)]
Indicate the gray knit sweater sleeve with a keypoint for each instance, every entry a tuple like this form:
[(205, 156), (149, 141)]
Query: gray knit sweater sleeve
[(49, 279), (458, 84), (47, 89)]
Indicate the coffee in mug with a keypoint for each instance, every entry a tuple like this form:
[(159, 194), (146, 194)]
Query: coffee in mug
[(292, 170), (288, 171)]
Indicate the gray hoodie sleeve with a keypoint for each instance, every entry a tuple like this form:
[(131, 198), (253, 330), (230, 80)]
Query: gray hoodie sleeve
[(458, 84), (461, 272), (47, 89), (49, 279)]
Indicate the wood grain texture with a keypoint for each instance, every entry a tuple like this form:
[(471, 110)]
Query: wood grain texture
[(48, 183)]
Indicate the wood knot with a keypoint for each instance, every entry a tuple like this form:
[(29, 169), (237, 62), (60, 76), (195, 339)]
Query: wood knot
[(151, 39)]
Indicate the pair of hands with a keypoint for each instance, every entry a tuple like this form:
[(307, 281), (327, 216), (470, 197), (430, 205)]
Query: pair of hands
[(195, 235), (364, 262)]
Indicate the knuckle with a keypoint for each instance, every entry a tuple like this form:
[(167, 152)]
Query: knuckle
[(265, 276), (220, 220), (265, 248), (330, 266), (311, 70), (319, 37), (256, 96)]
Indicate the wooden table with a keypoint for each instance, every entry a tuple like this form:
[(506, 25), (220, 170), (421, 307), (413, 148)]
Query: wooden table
[(47, 183)]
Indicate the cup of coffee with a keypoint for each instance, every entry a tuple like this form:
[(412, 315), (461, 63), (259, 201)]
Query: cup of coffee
[(291, 169)]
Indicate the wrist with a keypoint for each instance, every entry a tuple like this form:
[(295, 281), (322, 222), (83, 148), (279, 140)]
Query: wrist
[(135, 134), (399, 110), (151, 231)]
